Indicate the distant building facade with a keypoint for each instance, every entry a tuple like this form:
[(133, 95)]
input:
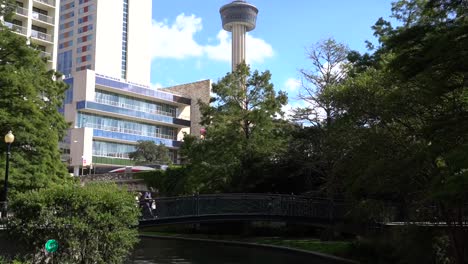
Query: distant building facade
[(104, 54), (37, 20)]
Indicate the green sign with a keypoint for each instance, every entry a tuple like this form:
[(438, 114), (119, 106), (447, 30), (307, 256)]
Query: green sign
[(51, 245)]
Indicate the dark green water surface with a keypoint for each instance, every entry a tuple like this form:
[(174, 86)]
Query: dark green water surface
[(168, 251)]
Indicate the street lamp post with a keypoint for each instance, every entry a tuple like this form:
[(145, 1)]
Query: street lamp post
[(9, 138)]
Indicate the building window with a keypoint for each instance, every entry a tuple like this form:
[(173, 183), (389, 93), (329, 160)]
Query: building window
[(85, 19), (135, 104), (67, 6), (124, 39), (66, 34), (39, 29), (137, 129), (69, 94), (85, 9), (83, 48), (85, 38), (85, 28), (83, 59), (64, 62), (67, 25), (82, 68), (67, 15), (66, 44)]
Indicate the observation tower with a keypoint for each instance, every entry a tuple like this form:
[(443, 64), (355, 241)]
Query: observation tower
[(238, 17)]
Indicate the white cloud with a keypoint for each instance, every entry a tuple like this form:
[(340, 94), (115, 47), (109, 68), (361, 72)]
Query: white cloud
[(177, 41), (222, 50), (291, 84), (155, 86), (257, 50)]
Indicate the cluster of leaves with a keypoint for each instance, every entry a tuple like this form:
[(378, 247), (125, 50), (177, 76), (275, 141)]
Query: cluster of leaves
[(30, 97), (173, 181), (147, 152), (92, 224)]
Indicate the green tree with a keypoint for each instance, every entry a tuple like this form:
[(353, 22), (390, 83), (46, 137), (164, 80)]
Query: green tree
[(329, 61), (92, 224), (407, 110), (147, 152), (243, 132), (30, 97), (318, 147)]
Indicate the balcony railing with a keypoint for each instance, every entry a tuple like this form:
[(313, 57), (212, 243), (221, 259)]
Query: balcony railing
[(47, 55), (130, 131), (135, 107), (16, 28), (42, 17), (47, 2), (21, 11), (42, 36)]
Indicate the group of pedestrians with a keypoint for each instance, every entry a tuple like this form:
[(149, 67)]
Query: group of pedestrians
[(147, 204)]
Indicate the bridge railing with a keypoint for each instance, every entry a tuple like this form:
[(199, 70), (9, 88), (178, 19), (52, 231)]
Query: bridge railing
[(248, 204)]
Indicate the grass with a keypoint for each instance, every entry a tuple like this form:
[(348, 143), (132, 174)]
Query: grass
[(335, 248)]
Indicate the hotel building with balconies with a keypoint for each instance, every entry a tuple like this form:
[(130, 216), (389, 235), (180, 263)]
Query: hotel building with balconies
[(37, 20), (104, 54)]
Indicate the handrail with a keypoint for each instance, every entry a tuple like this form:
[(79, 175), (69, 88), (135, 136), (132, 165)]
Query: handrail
[(42, 17), (245, 204)]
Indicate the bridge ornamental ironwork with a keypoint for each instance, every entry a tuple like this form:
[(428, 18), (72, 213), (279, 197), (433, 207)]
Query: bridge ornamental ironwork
[(244, 205)]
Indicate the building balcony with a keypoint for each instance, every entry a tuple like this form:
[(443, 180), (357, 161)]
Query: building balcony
[(140, 90), (21, 11), (94, 107), (46, 2), (46, 55), (43, 18), (16, 28), (42, 36), (135, 107), (124, 137), (129, 131)]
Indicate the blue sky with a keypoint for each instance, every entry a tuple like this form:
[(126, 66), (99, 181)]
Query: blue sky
[(188, 43)]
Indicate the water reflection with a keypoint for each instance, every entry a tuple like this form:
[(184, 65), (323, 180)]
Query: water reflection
[(161, 251)]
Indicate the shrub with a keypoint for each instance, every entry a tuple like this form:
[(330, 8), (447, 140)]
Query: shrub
[(92, 224)]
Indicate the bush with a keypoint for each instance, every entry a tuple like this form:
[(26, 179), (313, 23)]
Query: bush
[(171, 182), (92, 224)]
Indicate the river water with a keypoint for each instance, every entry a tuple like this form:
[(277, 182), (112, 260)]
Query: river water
[(168, 251)]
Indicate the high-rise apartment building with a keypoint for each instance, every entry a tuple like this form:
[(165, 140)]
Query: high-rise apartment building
[(103, 50), (38, 21)]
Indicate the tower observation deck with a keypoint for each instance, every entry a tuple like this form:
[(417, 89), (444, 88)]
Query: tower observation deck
[(238, 17)]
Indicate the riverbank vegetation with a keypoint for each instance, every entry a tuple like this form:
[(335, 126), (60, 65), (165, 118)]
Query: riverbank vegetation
[(386, 130)]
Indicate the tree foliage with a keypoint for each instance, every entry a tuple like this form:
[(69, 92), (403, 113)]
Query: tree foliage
[(328, 59), (147, 152), (92, 224), (242, 132), (406, 106), (30, 98)]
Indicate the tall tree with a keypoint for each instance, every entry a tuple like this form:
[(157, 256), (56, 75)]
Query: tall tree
[(30, 98), (329, 59), (317, 146), (147, 152), (242, 131), (408, 111)]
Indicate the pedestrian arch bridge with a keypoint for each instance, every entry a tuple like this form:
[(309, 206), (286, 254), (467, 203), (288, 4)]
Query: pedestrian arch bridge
[(242, 207)]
